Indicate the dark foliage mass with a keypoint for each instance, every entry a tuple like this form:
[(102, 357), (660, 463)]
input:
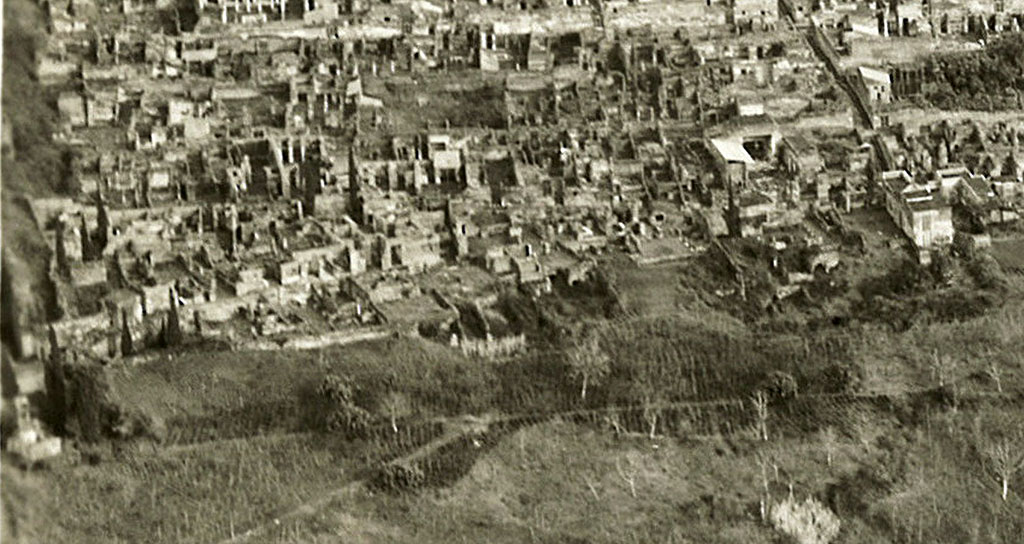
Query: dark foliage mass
[(908, 293), (343, 414), (40, 166), (690, 362), (32, 165), (991, 78)]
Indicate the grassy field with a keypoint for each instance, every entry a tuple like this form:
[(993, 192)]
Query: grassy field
[(555, 482), (240, 440), (1010, 253), (561, 482), (972, 353), (198, 494), (204, 395), (657, 289), (552, 482)]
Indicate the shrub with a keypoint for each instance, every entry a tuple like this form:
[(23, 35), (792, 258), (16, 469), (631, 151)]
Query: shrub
[(344, 414), (336, 389), (350, 419), (983, 79), (987, 273), (396, 477), (137, 424), (779, 385), (809, 522), (841, 377)]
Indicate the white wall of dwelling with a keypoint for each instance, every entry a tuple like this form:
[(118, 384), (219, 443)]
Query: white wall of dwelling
[(900, 214), (926, 228), (880, 93), (932, 227)]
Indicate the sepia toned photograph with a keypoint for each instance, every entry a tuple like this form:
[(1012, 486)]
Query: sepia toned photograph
[(512, 271)]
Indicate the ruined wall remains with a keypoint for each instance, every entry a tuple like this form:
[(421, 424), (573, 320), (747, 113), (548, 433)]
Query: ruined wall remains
[(493, 348)]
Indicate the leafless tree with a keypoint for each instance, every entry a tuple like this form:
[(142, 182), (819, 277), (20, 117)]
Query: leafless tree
[(1005, 459), (943, 367), (829, 441), (651, 402), (995, 373), (612, 419), (760, 401), (766, 463), (629, 476), (395, 405), (648, 386), (590, 485), (588, 363)]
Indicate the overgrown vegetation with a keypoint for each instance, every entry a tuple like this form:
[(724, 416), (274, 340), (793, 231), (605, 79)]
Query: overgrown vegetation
[(202, 396), (663, 371), (908, 293), (201, 493), (988, 79), (32, 165), (877, 480)]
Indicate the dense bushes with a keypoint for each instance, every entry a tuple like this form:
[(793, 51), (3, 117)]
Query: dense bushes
[(397, 477), (204, 395), (987, 273), (991, 78), (779, 385), (679, 360), (342, 414), (434, 378), (807, 522), (908, 293)]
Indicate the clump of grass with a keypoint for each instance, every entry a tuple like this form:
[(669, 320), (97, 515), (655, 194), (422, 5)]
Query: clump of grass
[(200, 493)]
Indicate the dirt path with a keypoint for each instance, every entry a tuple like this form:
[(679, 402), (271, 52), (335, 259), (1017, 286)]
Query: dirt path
[(457, 428), (307, 508)]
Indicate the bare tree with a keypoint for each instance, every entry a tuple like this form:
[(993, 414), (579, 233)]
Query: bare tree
[(829, 441), (629, 476), (588, 363), (995, 373), (1006, 458), (765, 462), (943, 367), (395, 405), (590, 485), (760, 401), (651, 411), (612, 419), (648, 387)]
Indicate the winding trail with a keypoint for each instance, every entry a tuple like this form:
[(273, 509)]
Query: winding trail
[(457, 428)]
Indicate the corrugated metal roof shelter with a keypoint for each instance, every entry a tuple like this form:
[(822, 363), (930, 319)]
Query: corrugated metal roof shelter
[(871, 74), (731, 151)]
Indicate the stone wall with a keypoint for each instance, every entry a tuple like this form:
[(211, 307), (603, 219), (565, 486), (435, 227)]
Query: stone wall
[(492, 348)]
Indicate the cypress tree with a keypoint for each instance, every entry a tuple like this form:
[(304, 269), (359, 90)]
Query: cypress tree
[(127, 349), (172, 330)]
